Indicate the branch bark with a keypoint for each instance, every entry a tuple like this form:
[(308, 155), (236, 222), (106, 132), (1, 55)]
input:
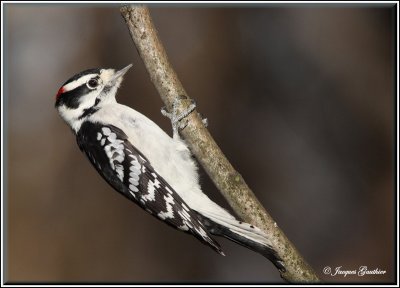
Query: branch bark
[(229, 182)]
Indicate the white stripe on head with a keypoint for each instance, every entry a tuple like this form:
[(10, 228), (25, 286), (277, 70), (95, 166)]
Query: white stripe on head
[(78, 82)]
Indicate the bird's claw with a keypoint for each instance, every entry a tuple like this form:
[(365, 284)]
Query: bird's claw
[(177, 120)]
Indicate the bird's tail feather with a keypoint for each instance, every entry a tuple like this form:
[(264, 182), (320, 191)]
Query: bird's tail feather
[(244, 234)]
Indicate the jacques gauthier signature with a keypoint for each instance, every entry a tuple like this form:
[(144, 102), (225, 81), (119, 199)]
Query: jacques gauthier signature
[(361, 271)]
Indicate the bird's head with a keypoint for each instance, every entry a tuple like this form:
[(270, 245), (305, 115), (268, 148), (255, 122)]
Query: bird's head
[(86, 92)]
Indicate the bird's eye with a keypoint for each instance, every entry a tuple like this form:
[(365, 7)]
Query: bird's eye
[(92, 84)]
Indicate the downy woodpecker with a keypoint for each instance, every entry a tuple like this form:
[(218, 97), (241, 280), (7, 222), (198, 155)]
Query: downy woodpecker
[(147, 166)]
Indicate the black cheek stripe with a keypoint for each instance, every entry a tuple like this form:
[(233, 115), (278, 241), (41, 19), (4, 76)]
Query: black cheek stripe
[(71, 98)]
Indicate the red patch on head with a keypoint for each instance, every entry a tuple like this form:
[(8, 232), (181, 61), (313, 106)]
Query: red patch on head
[(60, 91)]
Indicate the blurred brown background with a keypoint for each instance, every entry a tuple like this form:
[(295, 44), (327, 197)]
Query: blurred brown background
[(300, 99)]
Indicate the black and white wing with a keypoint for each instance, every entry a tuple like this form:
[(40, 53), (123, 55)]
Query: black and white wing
[(128, 171)]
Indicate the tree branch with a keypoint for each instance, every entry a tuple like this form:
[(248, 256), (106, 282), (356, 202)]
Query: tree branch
[(229, 182)]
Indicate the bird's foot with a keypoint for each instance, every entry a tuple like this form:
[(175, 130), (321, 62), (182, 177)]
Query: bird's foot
[(178, 121)]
